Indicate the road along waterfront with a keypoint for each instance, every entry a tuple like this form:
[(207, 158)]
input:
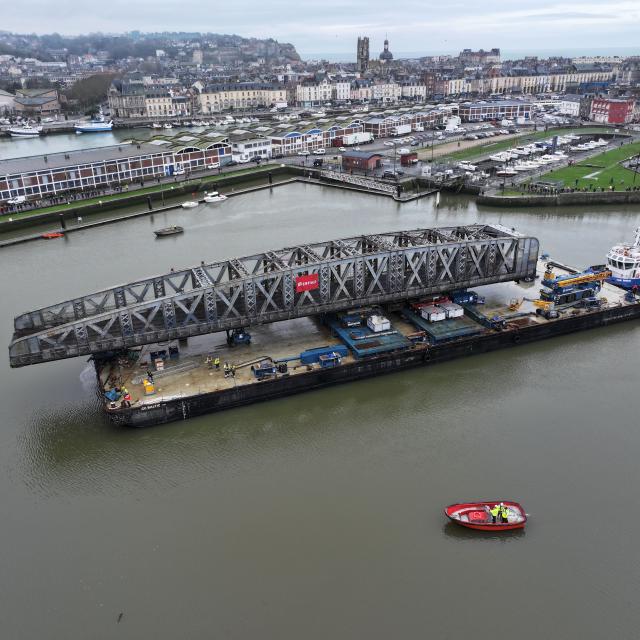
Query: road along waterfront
[(323, 507)]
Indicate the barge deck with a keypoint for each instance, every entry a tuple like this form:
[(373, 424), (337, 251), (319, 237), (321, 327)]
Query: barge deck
[(190, 385)]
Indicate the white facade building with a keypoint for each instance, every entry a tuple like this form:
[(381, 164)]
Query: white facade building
[(246, 145), (343, 91), (414, 91), (387, 92), (312, 94), (569, 105)]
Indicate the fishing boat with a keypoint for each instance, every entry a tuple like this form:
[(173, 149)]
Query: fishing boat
[(98, 124), (477, 515), (169, 231), (189, 204), (25, 131), (623, 260), (214, 196)]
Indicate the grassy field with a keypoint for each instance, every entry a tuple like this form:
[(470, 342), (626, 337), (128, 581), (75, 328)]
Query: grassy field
[(106, 199), (607, 170), (493, 147)]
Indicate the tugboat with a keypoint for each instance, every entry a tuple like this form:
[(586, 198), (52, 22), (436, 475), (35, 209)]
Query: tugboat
[(168, 231), (623, 260), (477, 515)]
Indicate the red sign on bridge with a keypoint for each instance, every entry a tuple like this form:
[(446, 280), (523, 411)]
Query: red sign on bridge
[(307, 283)]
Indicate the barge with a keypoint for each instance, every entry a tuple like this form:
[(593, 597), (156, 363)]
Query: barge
[(314, 315), (195, 387)]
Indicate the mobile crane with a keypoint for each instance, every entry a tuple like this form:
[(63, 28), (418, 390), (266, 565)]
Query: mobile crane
[(573, 289)]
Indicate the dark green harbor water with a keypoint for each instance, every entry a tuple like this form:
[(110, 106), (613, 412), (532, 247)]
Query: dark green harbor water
[(320, 516)]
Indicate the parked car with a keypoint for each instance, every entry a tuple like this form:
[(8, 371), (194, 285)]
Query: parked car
[(178, 172), (17, 200), (388, 144), (303, 153), (341, 149), (317, 162), (321, 152)]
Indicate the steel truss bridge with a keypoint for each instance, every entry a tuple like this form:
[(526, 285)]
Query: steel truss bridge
[(270, 286)]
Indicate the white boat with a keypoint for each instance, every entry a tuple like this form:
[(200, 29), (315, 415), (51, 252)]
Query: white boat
[(25, 131), (623, 260), (189, 204), (156, 125), (167, 126), (214, 196), (506, 172)]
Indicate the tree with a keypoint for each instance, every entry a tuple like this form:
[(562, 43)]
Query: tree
[(92, 90)]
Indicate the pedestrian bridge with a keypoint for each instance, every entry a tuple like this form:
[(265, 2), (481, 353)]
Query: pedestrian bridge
[(276, 285)]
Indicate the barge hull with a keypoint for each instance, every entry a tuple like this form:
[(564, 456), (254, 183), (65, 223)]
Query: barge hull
[(201, 404)]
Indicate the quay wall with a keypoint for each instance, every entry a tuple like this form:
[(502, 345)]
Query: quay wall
[(79, 209), (561, 199)]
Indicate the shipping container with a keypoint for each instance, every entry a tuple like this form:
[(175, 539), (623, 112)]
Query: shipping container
[(401, 129), (433, 313), (452, 310), (362, 137), (378, 324)]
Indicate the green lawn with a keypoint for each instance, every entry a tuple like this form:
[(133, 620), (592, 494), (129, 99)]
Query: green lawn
[(493, 147), (106, 199), (579, 175)]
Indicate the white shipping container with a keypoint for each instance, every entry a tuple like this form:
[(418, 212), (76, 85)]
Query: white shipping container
[(360, 137), (401, 129), (452, 310), (433, 313), (378, 324)]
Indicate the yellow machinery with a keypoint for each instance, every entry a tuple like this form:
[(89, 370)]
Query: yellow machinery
[(515, 304), (542, 304), (578, 278)]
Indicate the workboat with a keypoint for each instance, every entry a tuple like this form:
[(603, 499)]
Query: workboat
[(477, 515), (189, 204), (52, 234), (623, 260), (95, 125), (214, 196), (25, 131), (169, 231)]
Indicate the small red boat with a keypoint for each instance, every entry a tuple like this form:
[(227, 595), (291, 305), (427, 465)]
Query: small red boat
[(477, 515), (53, 234)]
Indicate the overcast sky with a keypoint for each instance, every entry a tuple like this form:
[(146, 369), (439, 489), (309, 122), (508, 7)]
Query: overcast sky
[(333, 25)]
